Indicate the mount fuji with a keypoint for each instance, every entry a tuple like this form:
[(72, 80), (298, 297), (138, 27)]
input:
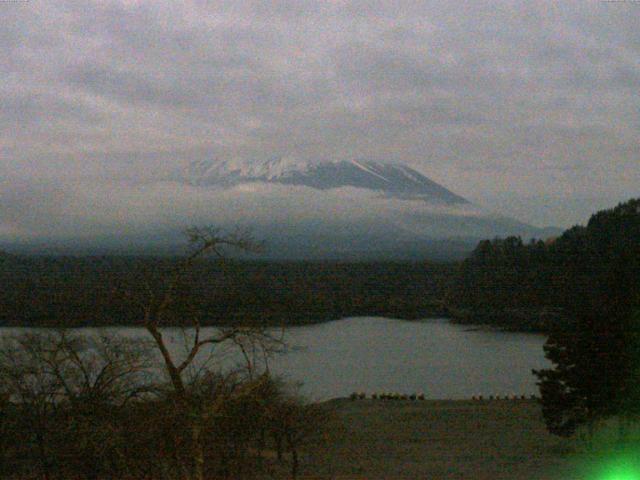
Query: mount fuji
[(397, 181), (340, 210), (350, 209)]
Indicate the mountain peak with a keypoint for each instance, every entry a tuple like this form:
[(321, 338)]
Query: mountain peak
[(394, 180)]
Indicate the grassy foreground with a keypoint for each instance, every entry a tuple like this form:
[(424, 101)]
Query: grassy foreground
[(503, 439)]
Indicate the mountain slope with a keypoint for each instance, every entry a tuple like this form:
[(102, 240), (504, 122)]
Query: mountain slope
[(350, 209), (396, 181), (338, 210)]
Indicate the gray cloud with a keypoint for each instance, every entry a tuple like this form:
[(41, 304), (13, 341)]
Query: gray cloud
[(495, 100), (99, 209)]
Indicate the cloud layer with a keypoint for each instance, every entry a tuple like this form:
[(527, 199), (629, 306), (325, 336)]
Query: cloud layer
[(494, 100), (98, 210)]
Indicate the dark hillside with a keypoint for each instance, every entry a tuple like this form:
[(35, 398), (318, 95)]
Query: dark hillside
[(530, 286), (83, 291)]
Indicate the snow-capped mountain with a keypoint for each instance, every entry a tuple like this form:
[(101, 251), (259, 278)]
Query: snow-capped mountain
[(338, 210), (347, 209), (394, 180)]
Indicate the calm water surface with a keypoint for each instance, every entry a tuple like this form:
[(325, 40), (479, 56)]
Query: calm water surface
[(436, 357)]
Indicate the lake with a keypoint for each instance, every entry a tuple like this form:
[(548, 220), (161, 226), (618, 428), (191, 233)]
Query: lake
[(438, 358)]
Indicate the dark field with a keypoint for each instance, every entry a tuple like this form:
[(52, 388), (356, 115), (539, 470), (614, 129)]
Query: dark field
[(498, 440)]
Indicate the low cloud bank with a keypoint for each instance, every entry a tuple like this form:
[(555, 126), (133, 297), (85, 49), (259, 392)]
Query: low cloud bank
[(88, 209)]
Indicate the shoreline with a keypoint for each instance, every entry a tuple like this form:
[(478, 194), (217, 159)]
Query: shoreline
[(472, 325)]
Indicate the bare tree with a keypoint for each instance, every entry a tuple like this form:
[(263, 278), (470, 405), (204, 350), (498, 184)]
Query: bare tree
[(91, 406), (64, 391), (156, 302), (34, 392)]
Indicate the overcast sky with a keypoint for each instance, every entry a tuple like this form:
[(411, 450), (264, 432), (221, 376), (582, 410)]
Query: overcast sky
[(531, 108)]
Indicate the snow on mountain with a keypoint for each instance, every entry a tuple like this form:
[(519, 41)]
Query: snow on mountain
[(226, 172), (339, 210), (397, 181), (346, 209)]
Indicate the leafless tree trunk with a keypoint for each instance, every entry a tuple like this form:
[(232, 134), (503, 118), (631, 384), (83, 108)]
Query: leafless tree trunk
[(295, 463), (156, 306)]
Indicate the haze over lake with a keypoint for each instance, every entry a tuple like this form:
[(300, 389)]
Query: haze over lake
[(436, 357)]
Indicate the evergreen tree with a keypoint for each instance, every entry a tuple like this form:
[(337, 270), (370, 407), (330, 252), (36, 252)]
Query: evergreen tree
[(595, 351)]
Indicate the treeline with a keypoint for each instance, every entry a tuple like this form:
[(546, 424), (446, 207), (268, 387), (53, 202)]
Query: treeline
[(534, 286), (504, 282), (508, 283), (595, 350), (86, 291)]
